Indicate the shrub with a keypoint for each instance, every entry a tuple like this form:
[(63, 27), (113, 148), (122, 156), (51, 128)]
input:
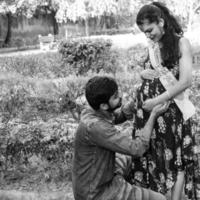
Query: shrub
[(89, 55), (76, 57), (113, 31), (44, 65), (39, 117), (32, 125)]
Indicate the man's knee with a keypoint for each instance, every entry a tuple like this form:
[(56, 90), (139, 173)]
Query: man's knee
[(122, 164), (139, 193), (156, 196)]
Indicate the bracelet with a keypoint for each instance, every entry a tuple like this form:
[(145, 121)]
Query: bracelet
[(140, 74)]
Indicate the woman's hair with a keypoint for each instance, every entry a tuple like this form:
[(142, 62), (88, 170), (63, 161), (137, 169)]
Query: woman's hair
[(173, 31)]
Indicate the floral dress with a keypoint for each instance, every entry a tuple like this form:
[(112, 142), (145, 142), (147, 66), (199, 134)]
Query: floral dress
[(171, 144)]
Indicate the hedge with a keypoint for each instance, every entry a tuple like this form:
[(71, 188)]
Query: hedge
[(40, 103)]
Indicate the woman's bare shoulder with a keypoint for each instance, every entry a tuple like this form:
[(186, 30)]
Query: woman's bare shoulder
[(184, 44)]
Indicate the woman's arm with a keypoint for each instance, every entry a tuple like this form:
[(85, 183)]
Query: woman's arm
[(185, 76), (149, 74)]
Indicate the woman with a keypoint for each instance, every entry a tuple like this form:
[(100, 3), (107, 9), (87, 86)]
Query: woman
[(169, 162)]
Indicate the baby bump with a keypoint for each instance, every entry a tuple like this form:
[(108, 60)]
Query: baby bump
[(150, 89)]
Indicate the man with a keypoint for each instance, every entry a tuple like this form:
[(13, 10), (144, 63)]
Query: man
[(97, 140)]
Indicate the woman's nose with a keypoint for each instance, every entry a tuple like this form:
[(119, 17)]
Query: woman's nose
[(147, 35)]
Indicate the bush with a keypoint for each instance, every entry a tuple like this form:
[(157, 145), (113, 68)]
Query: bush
[(38, 117), (89, 55), (33, 122), (44, 65), (80, 57), (113, 31)]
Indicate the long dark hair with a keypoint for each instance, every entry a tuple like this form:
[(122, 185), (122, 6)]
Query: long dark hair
[(173, 31)]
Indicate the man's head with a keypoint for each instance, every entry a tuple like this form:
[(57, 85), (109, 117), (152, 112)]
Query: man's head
[(102, 93)]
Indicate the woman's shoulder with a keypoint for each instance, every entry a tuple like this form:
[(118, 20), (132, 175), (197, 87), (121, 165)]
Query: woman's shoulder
[(184, 46), (184, 43)]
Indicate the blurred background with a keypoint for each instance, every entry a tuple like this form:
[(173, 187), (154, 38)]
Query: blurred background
[(21, 21)]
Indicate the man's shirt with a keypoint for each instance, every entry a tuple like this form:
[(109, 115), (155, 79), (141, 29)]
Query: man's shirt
[(96, 142)]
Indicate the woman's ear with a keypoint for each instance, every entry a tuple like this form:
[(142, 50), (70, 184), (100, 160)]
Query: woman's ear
[(161, 22)]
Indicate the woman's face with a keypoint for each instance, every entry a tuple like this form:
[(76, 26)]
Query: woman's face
[(154, 31)]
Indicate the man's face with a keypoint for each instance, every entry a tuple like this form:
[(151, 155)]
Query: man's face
[(115, 101)]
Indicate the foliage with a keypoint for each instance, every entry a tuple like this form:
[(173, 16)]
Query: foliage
[(97, 56), (195, 97), (40, 103), (29, 7), (51, 140), (8, 6), (136, 56), (44, 65), (89, 55), (79, 9), (113, 31), (185, 10), (41, 126), (32, 125), (44, 127)]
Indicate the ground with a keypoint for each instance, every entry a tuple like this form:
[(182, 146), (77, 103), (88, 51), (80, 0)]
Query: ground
[(33, 187), (48, 194)]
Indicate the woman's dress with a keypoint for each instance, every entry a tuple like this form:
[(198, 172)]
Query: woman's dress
[(171, 144)]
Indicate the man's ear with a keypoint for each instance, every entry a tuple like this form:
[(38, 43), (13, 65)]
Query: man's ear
[(103, 106)]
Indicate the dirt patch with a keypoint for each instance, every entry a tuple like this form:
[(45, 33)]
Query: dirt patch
[(47, 192)]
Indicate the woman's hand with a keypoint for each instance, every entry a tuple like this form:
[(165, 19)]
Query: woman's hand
[(149, 74), (149, 104), (160, 108)]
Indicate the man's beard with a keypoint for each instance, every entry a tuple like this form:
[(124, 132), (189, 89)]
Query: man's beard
[(112, 109)]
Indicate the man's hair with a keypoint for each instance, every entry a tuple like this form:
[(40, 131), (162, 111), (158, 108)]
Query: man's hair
[(99, 89)]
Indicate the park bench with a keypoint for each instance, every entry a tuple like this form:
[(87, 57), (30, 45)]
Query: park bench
[(46, 42)]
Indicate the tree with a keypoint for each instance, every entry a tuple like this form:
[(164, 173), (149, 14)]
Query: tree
[(30, 8), (50, 7), (8, 8), (184, 9), (86, 9), (12, 8)]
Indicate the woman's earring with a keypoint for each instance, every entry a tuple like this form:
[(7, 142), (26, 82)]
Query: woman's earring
[(162, 31), (162, 27)]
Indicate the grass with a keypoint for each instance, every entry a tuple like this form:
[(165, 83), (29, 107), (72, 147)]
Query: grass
[(33, 187)]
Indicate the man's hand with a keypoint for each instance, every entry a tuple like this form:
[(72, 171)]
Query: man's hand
[(157, 110), (149, 104), (160, 108), (149, 74)]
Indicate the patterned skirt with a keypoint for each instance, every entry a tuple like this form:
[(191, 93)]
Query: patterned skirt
[(171, 146)]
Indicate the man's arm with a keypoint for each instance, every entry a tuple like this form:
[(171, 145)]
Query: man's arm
[(107, 136)]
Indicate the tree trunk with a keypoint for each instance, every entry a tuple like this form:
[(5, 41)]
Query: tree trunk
[(55, 24), (103, 22), (9, 33), (190, 17), (87, 26), (98, 23)]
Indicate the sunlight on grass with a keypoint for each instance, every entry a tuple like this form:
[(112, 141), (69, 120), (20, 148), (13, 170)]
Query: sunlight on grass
[(123, 41)]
